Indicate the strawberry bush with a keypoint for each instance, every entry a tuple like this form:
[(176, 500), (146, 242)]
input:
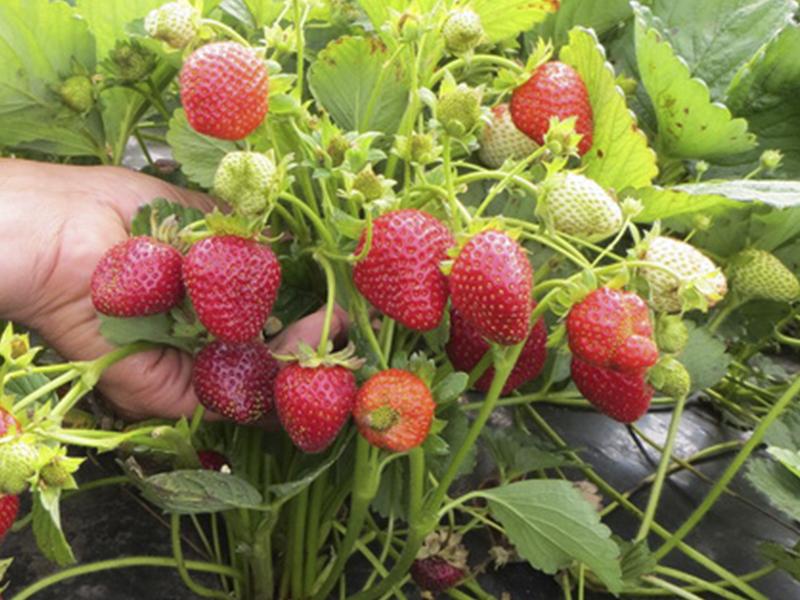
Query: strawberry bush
[(591, 205)]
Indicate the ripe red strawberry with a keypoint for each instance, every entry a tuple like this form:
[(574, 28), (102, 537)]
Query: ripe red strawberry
[(466, 347), (491, 284), (224, 90), (211, 460), (9, 508), (612, 328), (314, 403), (236, 380), (500, 140), (233, 283), (394, 410), (400, 275), (624, 397), (435, 574), (553, 90), (138, 277)]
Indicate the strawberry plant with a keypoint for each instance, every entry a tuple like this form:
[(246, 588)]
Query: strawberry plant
[(486, 208)]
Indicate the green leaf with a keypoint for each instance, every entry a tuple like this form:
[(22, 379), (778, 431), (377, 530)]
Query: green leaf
[(503, 19), (788, 458), (552, 525), (689, 124), (765, 92), (661, 203), (253, 13), (450, 388), (184, 215), (780, 194), (27, 384), (620, 156), (351, 80), (108, 19), (41, 44), (785, 432), (379, 11), (199, 491), (704, 357), (156, 328), (786, 559), (517, 453), (778, 485), (198, 154), (599, 16), (453, 436), (637, 560), (717, 37), (47, 528)]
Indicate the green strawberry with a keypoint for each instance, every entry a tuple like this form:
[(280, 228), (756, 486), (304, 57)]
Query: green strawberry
[(671, 334), (175, 23), (579, 206), (758, 274), (18, 464), (694, 282), (247, 181), (670, 377), (459, 109), (500, 140), (77, 92), (462, 31), (369, 185)]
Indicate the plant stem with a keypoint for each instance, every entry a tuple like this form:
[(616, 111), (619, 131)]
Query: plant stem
[(122, 563), (297, 532), (175, 526), (733, 468), (678, 591), (661, 473), (330, 281), (700, 583), (312, 530)]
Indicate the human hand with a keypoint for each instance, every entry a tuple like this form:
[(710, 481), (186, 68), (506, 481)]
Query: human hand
[(58, 221)]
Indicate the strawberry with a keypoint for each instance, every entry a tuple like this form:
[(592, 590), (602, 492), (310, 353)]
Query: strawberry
[(18, 464), (233, 283), (578, 206), (435, 574), (758, 274), (211, 460), (491, 285), (500, 140), (612, 328), (672, 335), (466, 347), (175, 23), (235, 380), (691, 270), (138, 277), (394, 410), (459, 109), (314, 403), (400, 275), (9, 509), (553, 90), (224, 90), (77, 92), (624, 397), (670, 377), (246, 181), (462, 31)]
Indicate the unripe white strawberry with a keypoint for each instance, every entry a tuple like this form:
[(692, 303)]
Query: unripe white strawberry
[(579, 206), (462, 31), (500, 140), (247, 181), (694, 281), (174, 23), (758, 274)]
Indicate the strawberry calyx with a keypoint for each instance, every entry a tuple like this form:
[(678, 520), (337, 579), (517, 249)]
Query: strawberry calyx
[(309, 358)]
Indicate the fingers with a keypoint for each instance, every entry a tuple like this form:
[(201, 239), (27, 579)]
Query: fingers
[(151, 384), (127, 191), (308, 330)]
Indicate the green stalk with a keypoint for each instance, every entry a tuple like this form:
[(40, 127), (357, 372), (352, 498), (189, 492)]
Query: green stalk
[(196, 588), (313, 525), (330, 280), (122, 563), (298, 26), (297, 532), (733, 468), (661, 473), (365, 486), (47, 388), (700, 583), (665, 585)]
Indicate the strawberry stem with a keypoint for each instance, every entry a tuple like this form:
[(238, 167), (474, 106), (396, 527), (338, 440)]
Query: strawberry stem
[(200, 590), (330, 280)]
